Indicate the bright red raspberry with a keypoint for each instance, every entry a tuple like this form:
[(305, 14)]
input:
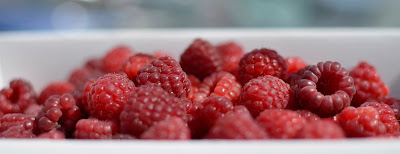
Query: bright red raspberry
[(281, 124), (17, 119), (147, 106), (55, 88), (95, 129), (17, 97), (195, 84), (387, 116), (214, 107), (325, 89), (260, 62), (59, 112), (393, 102), (132, 65), (230, 52), (54, 134), (114, 58), (32, 110), (80, 76), (173, 128), (236, 124), (321, 129), (294, 64), (264, 92), (17, 132), (201, 59), (308, 115), (166, 73), (368, 84), (108, 95)]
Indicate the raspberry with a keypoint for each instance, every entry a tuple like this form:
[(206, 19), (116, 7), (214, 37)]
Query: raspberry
[(166, 73), (201, 59), (169, 129), (17, 132), (122, 137), (33, 110), (114, 58), (80, 76), (134, 64), (108, 95), (148, 105), (368, 84), (325, 88), (280, 124), (293, 81), (230, 53), (54, 134), (264, 92), (236, 124), (393, 102), (214, 107), (260, 62), (193, 95), (95, 64), (321, 129), (308, 115), (17, 97), (59, 112), (159, 53), (386, 116), (294, 64), (55, 88), (195, 124), (17, 119), (85, 95), (95, 129)]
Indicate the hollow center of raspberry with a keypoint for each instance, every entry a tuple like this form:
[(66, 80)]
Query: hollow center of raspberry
[(328, 84)]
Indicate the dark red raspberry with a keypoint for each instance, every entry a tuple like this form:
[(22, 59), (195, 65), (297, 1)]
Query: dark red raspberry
[(132, 65), (230, 52), (236, 124), (17, 97), (33, 110), (59, 112), (368, 84), (260, 62), (123, 137), (54, 134), (166, 73), (264, 92), (80, 76), (214, 107), (294, 64), (393, 102), (17, 132), (201, 59), (325, 89), (17, 119), (148, 105), (108, 95), (85, 95), (95, 129), (321, 129), (173, 128), (95, 64), (195, 124), (308, 115), (280, 123), (55, 88), (293, 81), (114, 58), (387, 116)]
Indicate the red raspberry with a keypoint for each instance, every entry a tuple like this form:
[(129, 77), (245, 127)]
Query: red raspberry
[(54, 134), (134, 64), (148, 105), (166, 73), (214, 107), (230, 53), (85, 95), (308, 115), (386, 116), (201, 59), (95, 129), (123, 137), (95, 64), (17, 132), (325, 88), (55, 88), (280, 124), (321, 129), (294, 64), (368, 84), (59, 112), (260, 62), (195, 124), (159, 53), (33, 110), (195, 84), (264, 92), (393, 102), (108, 95), (169, 129), (80, 76), (115, 57), (236, 124), (17, 119), (17, 97), (293, 81)]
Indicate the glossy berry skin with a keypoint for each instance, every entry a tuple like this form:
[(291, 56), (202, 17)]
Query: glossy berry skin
[(368, 84), (264, 92), (132, 65), (17, 132), (80, 76), (214, 107), (108, 96), (387, 116), (95, 129), (260, 62), (114, 58), (294, 64), (147, 106), (201, 59), (54, 135), (393, 102), (17, 119), (55, 88), (17, 97), (325, 89), (173, 128), (308, 115), (166, 73), (321, 129), (230, 52), (280, 124)]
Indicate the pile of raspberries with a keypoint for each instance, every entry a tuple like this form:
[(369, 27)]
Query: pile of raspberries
[(211, 92)]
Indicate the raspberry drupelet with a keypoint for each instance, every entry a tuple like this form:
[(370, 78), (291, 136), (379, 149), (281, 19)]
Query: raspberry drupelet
[(17, 97), (173, 128), (387, 116), (132, 65), (17, 119), (114, 58), (393, 102), (214, 107), (321, 129), (54, 134), (55, 88), (95, 129)]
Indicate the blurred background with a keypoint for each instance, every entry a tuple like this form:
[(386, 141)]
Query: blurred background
[(126, 14)]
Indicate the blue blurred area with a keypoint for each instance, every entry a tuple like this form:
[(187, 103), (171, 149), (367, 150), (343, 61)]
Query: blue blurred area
[(114, 14)]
